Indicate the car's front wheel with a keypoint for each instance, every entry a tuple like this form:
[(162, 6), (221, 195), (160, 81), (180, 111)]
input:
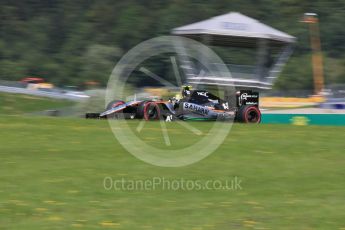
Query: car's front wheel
[(151, 111)]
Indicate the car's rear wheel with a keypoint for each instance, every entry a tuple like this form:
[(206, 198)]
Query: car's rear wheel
[(151, 111), (248, 114)]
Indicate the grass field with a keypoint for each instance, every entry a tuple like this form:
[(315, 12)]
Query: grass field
[(16, 104), (52, 172)]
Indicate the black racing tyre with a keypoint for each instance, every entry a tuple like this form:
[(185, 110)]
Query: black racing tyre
[(114, 103), (151, 111), (248, 114)]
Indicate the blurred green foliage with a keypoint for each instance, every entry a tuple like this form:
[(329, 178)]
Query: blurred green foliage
[(18, 104), (71, 42)]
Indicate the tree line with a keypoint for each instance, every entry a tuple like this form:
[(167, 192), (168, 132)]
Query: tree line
[(72, 42)]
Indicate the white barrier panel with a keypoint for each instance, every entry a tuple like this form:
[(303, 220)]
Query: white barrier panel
[(40, 93)]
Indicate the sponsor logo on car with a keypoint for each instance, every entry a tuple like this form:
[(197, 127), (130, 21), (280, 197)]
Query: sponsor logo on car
[(249, 99), (196, 108), (202, 94), (245, 96)]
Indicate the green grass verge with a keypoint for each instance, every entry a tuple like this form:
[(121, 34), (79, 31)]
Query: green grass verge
[(52, 172), (16, 104)]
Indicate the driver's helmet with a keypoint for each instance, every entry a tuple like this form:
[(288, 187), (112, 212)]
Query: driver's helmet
[(186, 89)]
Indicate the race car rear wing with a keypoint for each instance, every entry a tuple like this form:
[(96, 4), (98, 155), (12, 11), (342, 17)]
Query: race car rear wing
[(247, 97)]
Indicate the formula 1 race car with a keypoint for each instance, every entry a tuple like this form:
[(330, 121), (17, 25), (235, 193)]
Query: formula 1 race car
[(194, 105)]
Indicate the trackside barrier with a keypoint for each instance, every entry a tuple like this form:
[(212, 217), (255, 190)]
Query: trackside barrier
[(333, 103), (56, 95), (304, 119)]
